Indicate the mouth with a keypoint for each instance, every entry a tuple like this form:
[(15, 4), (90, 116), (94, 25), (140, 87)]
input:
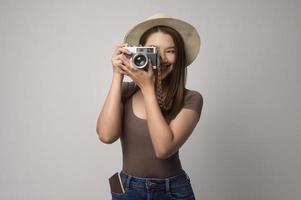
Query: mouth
[(164, 67)]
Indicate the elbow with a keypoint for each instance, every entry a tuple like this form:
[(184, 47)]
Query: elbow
[(104, 139), (162, 154)]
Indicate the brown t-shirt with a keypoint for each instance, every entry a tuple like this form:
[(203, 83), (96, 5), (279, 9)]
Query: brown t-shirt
[(139, 158)]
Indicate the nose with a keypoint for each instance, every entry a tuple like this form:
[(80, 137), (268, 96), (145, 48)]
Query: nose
[(163, 58)]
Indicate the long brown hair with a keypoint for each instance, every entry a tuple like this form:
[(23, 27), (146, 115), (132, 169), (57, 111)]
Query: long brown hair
[(171, 99)]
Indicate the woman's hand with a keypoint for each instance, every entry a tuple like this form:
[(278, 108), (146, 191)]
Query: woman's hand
[(144, 79), (118, 59)]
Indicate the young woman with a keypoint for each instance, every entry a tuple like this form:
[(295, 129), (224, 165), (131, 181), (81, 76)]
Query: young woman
[(154, 114)]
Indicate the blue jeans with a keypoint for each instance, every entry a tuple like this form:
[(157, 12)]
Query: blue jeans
[(173, 188)]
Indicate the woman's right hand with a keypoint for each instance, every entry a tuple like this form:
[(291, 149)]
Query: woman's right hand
[(119, 59)]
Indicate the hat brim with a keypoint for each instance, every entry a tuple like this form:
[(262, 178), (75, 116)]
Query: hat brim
[(189, 34)]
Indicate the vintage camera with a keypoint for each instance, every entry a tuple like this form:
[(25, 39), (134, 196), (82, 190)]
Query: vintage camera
[(141, 54)]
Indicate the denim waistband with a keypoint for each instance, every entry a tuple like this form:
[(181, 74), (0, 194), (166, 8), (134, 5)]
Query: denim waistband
[(148, 183)]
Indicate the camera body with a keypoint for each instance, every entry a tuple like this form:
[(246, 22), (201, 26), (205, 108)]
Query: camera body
[(141, 54)]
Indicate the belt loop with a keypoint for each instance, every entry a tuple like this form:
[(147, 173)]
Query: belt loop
[(167, 185), (129, 177)]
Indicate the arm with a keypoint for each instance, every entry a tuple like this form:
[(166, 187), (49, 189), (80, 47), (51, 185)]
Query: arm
[(109, 121), (167, 139)]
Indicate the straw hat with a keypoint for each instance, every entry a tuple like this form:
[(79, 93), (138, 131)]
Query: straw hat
[(189, 34)]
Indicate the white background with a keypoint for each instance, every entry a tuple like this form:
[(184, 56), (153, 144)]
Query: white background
[(55, 72)]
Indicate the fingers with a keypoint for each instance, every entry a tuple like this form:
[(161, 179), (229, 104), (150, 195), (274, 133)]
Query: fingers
[(119, 55), (150, 66), (122, 72), (121, 50), (120, 59), (124, 63), (125, 70), (124, 59)]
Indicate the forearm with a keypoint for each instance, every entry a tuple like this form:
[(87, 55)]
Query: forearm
[(160, 132), (109, 120)]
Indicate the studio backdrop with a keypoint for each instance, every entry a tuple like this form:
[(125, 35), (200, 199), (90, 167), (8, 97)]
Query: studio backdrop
[(55, 72)]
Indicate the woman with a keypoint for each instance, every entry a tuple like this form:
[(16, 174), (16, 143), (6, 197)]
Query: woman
[(154, 114)]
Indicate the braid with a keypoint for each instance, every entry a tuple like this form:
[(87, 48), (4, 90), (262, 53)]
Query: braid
[(159, 89), (165, 106)]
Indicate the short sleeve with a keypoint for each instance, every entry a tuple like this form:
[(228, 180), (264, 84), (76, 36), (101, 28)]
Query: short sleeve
[(194, 101), (127, 89)]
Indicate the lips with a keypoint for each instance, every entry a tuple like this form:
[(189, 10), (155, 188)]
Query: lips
[(163, 67)]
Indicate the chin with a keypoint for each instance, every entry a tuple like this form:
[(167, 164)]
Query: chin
[(166, 70), (165, 74)]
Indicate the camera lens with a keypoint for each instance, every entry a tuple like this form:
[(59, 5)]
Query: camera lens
[(140, 60)]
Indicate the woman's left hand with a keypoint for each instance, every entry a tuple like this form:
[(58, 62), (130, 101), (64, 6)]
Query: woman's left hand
[(144, 79)]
